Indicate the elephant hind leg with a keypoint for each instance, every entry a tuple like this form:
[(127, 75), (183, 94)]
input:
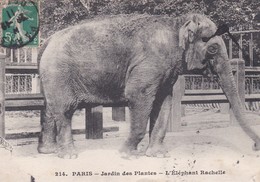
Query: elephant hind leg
[(56, 134), (65, 142), (47, 139)]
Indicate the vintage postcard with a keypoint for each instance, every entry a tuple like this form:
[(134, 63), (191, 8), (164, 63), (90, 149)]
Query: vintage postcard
[(129, 90)]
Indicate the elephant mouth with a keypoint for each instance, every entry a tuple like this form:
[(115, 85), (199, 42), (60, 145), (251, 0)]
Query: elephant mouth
[(205, 70)]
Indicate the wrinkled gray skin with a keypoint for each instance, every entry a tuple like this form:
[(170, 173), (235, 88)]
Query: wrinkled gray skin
[(135, 59)]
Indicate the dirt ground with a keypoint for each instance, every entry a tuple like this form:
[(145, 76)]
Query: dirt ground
[(213, 150)]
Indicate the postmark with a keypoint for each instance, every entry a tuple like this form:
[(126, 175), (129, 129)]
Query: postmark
[(20, 24)]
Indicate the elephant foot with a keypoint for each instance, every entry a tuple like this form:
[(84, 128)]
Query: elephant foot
[(157, 151), (256, 146), (128, 151), (67, 152), (47, 148)]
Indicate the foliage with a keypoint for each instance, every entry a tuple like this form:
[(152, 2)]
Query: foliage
[(61, 13), (233, 12), (58, 14)]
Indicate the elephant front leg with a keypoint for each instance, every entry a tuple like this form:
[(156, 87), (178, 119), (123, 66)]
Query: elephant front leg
[(141, 88), (139, 115), (160, 115)]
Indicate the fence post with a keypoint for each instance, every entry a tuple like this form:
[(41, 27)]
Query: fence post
[(176, 112), (118, 113), (2, 95), (94, 122), (34, 55), (238, 66), (35, 83)]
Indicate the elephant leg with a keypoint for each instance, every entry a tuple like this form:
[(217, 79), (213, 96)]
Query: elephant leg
[(56, 133), (139, 115), (47, 138), (140, 91), (64, 135), (160, 116)]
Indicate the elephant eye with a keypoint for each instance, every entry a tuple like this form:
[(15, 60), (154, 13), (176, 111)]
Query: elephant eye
[(205, 39)]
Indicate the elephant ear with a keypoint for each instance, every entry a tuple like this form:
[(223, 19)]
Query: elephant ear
[(187, 33)]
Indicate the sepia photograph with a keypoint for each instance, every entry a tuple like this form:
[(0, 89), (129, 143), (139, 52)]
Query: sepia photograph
[(130, 90)]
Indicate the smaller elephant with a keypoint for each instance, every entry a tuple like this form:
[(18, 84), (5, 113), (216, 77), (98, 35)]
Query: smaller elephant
[(128, 58)]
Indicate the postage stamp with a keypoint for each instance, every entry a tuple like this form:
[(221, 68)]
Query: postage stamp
[(20, 24)]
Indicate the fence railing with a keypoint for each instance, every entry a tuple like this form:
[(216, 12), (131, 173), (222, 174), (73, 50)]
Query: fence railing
[(252, 84), (21, 71), (200, 83), (199, 96), (249, 40)]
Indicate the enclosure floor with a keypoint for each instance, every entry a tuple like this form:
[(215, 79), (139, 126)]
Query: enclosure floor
[(216, 148)]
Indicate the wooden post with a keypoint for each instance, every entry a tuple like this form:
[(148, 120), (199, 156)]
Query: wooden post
[(118, 113), (2, 95), (178, 92), (239, 76), (94, 122)]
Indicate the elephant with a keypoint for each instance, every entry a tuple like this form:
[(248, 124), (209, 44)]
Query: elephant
[(135, 59)]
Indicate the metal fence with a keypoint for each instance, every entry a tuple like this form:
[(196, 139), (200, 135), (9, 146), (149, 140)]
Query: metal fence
[(252, 84), (198, 82), (20, 80), (18, 84), (249, 40)]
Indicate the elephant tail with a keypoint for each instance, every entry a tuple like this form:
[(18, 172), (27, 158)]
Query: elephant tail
[(39, 56), (41, 50)]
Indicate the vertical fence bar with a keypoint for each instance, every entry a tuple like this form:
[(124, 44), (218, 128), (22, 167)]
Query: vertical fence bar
[(251, 54), (25, 54), (2, 95), (34, 55), (18, 83), (241, 45), (35, 84), (18, 55), (12, 55)]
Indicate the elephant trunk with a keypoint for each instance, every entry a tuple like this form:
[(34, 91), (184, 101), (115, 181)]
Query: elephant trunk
[(228, 85)]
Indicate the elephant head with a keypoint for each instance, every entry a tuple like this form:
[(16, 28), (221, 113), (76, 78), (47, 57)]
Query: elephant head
[(212, 55)]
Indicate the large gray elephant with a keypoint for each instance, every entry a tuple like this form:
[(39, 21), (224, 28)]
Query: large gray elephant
[(128, 58)]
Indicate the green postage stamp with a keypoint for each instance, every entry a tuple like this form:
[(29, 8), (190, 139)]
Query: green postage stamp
[(20, 24)]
